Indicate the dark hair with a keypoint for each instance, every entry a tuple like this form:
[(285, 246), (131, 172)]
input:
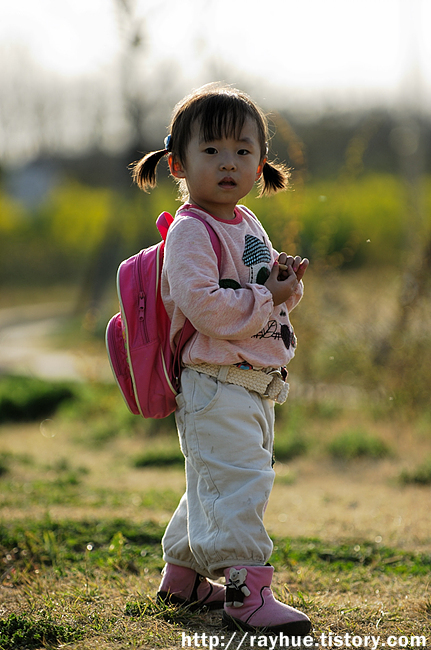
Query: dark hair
[(221, 112)]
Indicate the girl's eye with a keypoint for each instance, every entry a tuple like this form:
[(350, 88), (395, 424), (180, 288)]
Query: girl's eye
[(211, 150), (243, 152)]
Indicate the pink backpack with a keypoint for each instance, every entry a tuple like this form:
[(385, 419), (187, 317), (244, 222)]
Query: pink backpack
[(146, 369)]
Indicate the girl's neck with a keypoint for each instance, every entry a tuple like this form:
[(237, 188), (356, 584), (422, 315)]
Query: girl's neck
[(224, 213), (235, 218)]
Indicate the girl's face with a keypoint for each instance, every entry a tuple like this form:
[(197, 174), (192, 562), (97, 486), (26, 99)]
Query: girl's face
[(221, 172)]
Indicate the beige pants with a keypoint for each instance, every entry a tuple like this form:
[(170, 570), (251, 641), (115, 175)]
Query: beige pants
[(226, 435)]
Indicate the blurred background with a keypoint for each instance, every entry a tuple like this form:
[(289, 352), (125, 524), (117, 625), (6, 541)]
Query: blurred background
[(87, 86)]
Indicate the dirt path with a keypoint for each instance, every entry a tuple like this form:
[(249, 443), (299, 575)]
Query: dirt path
[(26, 346)]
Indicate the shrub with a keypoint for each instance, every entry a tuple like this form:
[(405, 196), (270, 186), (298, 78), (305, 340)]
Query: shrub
[(26, 398), (4, 464), (286, 448), (419, 476), (357, 443)]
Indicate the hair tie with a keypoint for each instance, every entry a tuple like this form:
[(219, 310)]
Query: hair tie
[(168, 142)]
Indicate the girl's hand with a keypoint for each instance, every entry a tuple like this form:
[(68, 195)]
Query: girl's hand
[(298, 265), (281, 283), (285, 277)]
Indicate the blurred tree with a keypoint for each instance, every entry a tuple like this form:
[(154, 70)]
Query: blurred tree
[(133, 44)]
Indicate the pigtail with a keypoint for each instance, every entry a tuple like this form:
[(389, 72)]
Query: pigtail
[(144, 170), (275, 178)]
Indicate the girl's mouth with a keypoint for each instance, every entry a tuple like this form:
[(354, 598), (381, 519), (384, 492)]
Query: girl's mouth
[(227, 182)]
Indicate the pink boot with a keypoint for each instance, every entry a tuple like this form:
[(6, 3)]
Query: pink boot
[(183, 586), (250, 604)]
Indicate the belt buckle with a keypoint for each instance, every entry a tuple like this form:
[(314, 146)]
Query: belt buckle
[(244, 365)]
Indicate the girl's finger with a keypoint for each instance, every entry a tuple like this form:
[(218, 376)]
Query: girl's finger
[(302, 268)]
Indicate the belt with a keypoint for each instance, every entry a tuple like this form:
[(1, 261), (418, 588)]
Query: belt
[(269, 383)]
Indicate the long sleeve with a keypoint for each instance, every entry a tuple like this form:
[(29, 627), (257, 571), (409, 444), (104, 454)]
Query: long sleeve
[(230, 307)]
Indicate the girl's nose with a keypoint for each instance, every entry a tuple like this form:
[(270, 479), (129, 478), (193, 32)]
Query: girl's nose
[(227, 163)]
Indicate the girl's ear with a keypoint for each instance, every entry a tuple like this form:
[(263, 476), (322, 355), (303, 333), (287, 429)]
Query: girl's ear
[(175, 167), (260, 168)]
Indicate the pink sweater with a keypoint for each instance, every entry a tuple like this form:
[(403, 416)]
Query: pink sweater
[(233, 312)]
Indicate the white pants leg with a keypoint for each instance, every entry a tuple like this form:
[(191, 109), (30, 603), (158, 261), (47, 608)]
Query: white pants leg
[(226, 434)]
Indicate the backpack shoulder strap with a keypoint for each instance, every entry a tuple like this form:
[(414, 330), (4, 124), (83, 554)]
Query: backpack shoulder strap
[(163, 222), (165, 219)]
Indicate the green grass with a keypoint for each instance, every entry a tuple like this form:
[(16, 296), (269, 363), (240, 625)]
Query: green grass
[(349, 556), (25, 633), (82, 545), (10, 459), (123, 546)]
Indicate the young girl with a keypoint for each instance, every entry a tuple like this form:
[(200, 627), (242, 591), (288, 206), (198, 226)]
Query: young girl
[(234, 363)]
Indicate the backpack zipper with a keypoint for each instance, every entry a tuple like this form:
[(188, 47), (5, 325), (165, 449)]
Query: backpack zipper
[(142, 299)]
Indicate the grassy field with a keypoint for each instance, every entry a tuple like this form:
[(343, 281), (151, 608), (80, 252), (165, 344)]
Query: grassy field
[(86, 490)]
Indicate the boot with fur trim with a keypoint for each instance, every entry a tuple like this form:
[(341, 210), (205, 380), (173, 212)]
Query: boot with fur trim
[(183, 586), (250, 604)]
